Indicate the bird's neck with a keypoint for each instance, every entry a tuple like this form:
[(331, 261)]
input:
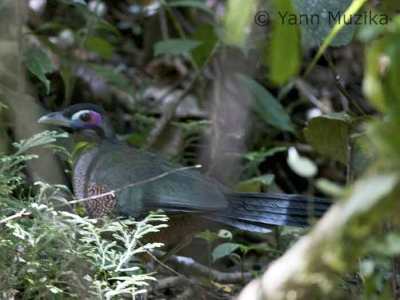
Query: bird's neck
[(87, 139), (96, 135)]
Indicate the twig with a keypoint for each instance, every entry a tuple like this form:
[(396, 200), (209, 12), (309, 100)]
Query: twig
[(193, 267), (215, 275), (169, 282), (21, 214), (156, 259), (25, 213), (170, 112), (151, 179), (340, 87), (306, 90), (181, 277)]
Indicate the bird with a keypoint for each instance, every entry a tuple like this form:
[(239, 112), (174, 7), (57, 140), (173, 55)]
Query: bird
[(125, 181)]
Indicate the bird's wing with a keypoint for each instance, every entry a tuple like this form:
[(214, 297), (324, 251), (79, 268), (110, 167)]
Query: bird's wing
[(144, 181)]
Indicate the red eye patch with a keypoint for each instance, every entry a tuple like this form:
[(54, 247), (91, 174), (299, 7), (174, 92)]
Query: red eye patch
[(91, 118)]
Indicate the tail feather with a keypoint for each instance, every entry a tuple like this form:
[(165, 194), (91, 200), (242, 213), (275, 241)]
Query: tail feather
[(258, 211)]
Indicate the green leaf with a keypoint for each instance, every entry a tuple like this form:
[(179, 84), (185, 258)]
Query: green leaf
[(39, 139), (267, 106), (383, 69), (255, 158), (67, 75), (255, 184), (329, 136), (208, 236), (260, 155), (223, 250), (75, 2), (314, 33), (284, 52), (113, 77), (391, 71), (39, 64), (175, 46), (104, 26), (369, 32), (390, 246), (238, 21), (355, 7), (191, 4), (99, 46), (372, 85), (208, 38)]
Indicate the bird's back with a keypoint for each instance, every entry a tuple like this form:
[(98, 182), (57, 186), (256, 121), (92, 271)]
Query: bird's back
[(143, 181)]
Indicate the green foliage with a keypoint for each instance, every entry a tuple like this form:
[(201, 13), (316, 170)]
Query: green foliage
[(116, 271), (100, 46), (237, 21), (256, 184), (49, 253), (314, 33), (198, 4), (39, 64), (353, 9), (284, 47), (382, 67), (175, 46), (267, 106), (255, 158), (45, 252), (114, 78), (206, 35), (11, 166), (329, 135), (223, 250), (380, 83), (41, 139)]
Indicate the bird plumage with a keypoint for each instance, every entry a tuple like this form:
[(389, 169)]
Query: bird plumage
[(134, 175)]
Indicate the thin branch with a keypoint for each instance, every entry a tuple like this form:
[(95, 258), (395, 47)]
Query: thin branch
[(141, 182), (170, 111), (193, 267), (307, 91), (340, 87), (179, 277), (25, 213), (196, 268), (21, 214)]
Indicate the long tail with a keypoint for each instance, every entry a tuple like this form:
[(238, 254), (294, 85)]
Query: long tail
[(258, 211)]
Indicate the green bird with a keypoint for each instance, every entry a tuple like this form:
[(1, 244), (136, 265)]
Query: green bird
[(142, 182)]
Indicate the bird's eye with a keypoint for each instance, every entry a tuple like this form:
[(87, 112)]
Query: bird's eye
[(85, 117)]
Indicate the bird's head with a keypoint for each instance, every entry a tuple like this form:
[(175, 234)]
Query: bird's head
[(83, 118)]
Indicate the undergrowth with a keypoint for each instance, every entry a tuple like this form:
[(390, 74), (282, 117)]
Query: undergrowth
[(48, 251)]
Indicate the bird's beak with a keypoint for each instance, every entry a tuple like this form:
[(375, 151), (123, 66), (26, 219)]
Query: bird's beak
[(56, 119)]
